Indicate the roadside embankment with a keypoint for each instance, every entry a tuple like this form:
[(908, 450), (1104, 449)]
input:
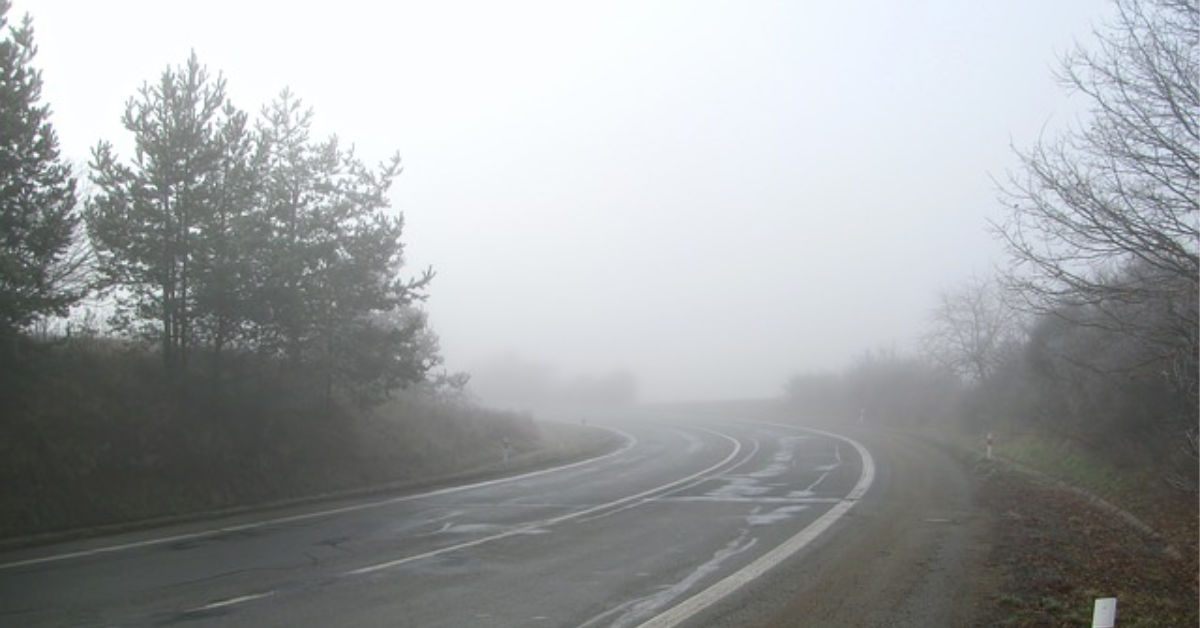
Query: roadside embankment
[(82, 485)]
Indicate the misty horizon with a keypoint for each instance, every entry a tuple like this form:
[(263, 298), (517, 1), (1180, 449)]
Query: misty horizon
[(710, 197)]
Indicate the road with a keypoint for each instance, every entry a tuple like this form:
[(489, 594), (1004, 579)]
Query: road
[(683, 525)]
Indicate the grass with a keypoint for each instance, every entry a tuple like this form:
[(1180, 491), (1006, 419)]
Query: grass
[(1074, 465), (1138, 489)]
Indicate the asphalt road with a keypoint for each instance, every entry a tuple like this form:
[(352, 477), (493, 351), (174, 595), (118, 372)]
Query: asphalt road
[(681, 520)]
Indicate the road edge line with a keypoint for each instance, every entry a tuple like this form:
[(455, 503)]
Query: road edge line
[(701, 601)]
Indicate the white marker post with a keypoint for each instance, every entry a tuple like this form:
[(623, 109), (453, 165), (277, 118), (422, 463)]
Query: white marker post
[(989, 445), (1104, 615)]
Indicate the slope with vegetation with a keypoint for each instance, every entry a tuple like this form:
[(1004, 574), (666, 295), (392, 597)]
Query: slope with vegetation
[(261, 341)]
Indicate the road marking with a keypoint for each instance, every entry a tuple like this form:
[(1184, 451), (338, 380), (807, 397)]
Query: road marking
[(230, 602), (630, 611), (630, 441), (751, 500), (731, 583), (665, 496), (837, 453), (639, 497), (780, 513)]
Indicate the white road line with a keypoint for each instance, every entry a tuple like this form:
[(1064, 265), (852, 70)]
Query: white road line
[(724, 587), (749, 456), (751, 500), (630, 441), (837, 453), (636, 498), (230, 602), (633, 609)]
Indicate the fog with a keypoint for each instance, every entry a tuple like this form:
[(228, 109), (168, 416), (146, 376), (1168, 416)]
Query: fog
[(707, 196)]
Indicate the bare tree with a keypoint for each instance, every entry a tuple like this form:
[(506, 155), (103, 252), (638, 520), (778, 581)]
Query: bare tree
[(1120, 192), (971, 328), (1104, 227)]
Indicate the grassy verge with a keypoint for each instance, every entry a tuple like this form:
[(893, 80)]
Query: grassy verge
[(1140, 490), (1054, 548), (1053, 552), (1074, 465)]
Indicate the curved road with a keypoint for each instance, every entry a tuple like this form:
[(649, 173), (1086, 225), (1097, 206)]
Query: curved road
[(659, 533)]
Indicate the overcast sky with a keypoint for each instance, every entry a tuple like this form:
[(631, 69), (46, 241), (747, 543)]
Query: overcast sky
[(713, 195)]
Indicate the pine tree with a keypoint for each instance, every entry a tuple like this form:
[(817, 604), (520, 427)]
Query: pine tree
[(40, 271), (336, 251), (147, 220), (264, 240), (289, 195), (231, 238)]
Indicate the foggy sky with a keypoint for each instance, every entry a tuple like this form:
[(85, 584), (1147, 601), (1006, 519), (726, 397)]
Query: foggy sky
[(711, 195)]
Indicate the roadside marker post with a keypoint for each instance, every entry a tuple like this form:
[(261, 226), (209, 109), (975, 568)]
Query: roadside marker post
[(989, 445), (1104, 614)]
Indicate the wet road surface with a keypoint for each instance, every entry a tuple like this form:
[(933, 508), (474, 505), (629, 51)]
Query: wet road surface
[(683, 507)]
